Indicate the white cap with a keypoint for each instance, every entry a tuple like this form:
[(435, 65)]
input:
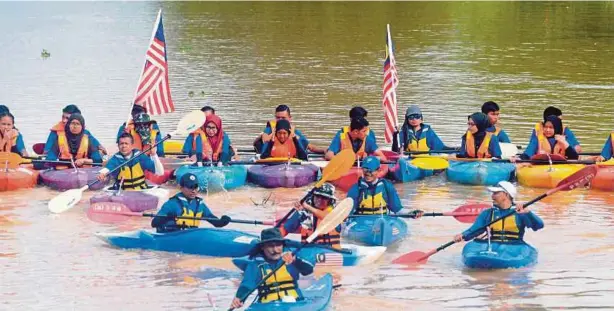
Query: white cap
[(504, 186)]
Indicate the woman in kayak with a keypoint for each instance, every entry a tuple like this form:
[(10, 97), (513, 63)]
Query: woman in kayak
[(310, 213), (74, 143), (550, 140), (209, 143), (60, 126), (477, 141), (284, 143), (417, 136), (267, 255), (507, 230), (569, 135), (10, 138)]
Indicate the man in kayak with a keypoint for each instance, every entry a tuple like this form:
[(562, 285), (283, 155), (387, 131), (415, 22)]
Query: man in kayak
[(285, 143), (355, 136), (491, 109), (132, 175), (567, 132), (268, 255), (508, 230), (146, 133), (59, 127), (310, 213), (360, 112), (416, 135), (282, 112), (187, 205), (478, 143), (136, 110)]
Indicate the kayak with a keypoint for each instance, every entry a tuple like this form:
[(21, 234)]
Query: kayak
[(134, 200), (501, 255), (357, 256), (349, 179), (282, 175), (376, 230), (316, 298), (545, 176), (476, 172), (604, 180), (200, 241), (172, 146), (404, 171), (216, 178), (71, 179), (19, 178)]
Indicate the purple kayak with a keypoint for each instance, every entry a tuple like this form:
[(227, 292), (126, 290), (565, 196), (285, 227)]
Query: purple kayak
[(282, 175), (71, 179), (135, 200)]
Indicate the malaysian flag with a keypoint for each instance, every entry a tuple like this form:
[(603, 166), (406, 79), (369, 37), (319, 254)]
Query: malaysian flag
[(391, 80), (153, 91)]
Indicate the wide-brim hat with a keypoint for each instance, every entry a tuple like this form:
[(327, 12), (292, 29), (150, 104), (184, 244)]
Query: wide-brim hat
[(267, 236)]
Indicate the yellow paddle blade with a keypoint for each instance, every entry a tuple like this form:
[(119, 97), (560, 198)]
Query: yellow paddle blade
[(10, 160), (333, 219), (173, 146), (66, 200), (338, 165), (433, 163)]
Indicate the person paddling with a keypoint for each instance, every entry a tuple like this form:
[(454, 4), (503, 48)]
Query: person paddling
[(492, 110), (268, 255), (284, 144), (355, 136), (74, 143), (416, 135), (209, 142), (550, 140), (507, 230), (60, 127), (185, 204), (310, 212), (132, 175), (477, 141), (11, 139)]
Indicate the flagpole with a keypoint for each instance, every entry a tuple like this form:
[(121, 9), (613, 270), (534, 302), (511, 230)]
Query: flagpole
[(394, 93)]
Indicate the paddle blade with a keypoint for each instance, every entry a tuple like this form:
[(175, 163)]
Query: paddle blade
[(333, 219), (508, 150), (577, 179), (65, 200), (470, 211), (10, 160), (415, 257), (110, 212), (430, 163), (190, 122), (39, 148), (338, 165)]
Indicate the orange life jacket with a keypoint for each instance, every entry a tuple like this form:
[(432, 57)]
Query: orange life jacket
[(483, 151), (346, 142), (542, 142), (285, 150), (332, 238), (207, 150), (64, 148), (59, 127), (8, 140), (138, 142)]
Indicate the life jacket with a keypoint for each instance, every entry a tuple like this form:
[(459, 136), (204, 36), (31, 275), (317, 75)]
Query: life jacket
[(64, 148), (59, 127), (273, 123), (346, 142), (285, 150), (505, 229), (187, 212), (539, 128), (138, 142), (8, 140), (544, 145), (372, 203), (419, 143), (207, 152), (483, 151), (133, 177), (332, 238), (277, 285)]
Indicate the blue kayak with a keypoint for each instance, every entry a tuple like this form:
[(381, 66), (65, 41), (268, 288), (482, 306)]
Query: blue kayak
[(501, 255), (353, 255), (404, 171), (200, 241), (376, 230), (216, 178), (316, 298), (479, 172)]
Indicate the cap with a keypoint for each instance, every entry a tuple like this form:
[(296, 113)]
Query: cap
[(371, 163), (413, 109), (504, 186), (188, 180)]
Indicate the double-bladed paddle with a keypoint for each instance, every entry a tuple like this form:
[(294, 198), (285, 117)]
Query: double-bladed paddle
[(67, 199), (577, 179), (465, 213)]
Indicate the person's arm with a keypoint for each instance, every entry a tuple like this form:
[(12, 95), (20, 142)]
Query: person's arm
[(394, 202), (111, 165), (303, 266), (53, 152), (572, 140), (167, 213), (481, 221), (531, 148), (495, 147), (226, 151), (160, 146), (334, 147), (290, 225), (21, 147), (606, 151), (433, 141), (51, 140), (462, 153), (353, 193), (571, 153), (503, 138), (251, 278), (530, 220)]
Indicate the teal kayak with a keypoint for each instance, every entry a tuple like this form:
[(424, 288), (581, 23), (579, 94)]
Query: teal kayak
[(216, 178), (316, 297), (376, 230), (477, 255), (479, 172), (404, 171)]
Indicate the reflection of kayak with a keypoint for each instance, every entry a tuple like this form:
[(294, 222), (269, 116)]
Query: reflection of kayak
[(375, 230), (545, 176), (316, 298), (479, 172), (349, 179), (501, 255), (201, 241), (216, 178), (282, 175), (70, 179), (134, 200), (13, 179), (360, 255)]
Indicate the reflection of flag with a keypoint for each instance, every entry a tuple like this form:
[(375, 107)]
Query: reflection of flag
[(391, 80), (153, 91)]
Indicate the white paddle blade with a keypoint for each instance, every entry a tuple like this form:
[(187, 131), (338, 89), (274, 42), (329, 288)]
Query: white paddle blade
[(190, 122), (65, 201), (508, 150), (333, 219)]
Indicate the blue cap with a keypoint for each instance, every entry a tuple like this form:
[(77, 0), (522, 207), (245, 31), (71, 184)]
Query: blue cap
[(371, 163), (188, 180)]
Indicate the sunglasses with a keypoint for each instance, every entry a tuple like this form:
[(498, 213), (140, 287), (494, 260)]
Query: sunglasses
[(414, 116)]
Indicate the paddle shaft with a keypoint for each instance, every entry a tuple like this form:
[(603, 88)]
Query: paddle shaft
[(59, 162), (281, 221), (239, 221)]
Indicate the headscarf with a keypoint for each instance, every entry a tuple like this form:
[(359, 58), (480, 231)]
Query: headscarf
[(481, 121), (219, 138), (283, 125), (74, 140), (556, 123)]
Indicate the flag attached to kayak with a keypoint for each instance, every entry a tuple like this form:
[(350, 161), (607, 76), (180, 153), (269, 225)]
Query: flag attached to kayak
[(391, 80), (153, 91)]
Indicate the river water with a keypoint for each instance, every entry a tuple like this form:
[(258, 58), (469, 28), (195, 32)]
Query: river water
[(320, 59)]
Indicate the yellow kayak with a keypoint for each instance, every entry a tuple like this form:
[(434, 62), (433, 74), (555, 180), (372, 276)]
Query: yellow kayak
[(173, 146), (545, 176)]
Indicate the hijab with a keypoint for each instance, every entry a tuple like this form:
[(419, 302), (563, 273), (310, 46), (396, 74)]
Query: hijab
[(283, 125), (74, 140), (482, 123), (556, 123), (216, 140)]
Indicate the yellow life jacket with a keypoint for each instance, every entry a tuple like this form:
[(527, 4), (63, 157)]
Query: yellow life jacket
[(544, 145), (332, 238), (187, 212), (138, 142), (372, 204), (277, 285), (505, 229), (8, 140), (417, 145), (133, 177), (483, 150), (346, 142), (64, 149), (497, 130)]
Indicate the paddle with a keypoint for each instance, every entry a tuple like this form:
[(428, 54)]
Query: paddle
[(574, 181), (465, 213), (67, 199), (336, 167), (13, 160), (332, 220), (434, 163)]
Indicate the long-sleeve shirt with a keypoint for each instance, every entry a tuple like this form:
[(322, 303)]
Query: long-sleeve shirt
[(383, 188), (606, 151), (165, 218), (53, 138), (147, 164), (533, 148), (523, 221), (225, 155), (92, 152), (493, 148), (425, 132), (502, 136)]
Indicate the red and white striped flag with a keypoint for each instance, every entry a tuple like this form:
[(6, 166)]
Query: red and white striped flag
[(153, 91), (389, 101)]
